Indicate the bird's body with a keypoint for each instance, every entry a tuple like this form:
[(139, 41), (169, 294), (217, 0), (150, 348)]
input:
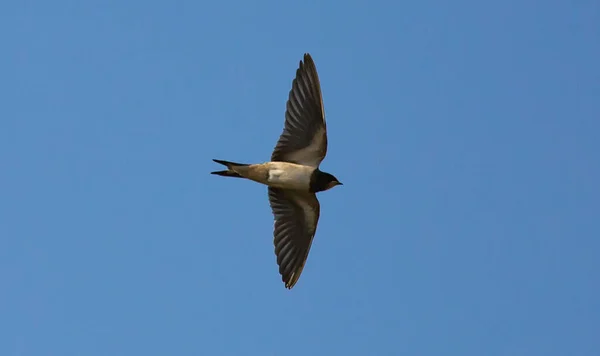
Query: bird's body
[(282, 175), (286, 175), (293, 175)]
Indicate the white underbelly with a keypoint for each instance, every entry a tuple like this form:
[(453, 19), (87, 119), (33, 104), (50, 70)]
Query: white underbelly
[(289, 176)]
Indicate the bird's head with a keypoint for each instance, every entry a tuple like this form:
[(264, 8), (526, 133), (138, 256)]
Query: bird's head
[(321, 181)]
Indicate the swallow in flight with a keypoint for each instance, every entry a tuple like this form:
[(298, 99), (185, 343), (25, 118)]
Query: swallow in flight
[(292, 175)]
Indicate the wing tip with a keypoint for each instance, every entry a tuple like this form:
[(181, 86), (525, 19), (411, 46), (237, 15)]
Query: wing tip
[(291, 282), (307, 61)]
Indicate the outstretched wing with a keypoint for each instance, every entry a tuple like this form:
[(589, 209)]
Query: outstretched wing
[(296, 217), (304, 137)]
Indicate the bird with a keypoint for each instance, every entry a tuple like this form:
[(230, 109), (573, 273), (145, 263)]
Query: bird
[(293, 175)]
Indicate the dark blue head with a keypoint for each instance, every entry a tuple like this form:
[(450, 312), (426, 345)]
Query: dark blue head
[(321, 181)]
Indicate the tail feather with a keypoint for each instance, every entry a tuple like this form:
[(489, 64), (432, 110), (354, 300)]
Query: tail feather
[(229, 164), (230, 172), (227, 174)]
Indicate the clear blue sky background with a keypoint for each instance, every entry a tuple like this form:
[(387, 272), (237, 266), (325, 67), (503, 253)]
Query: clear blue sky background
[(466, 133)]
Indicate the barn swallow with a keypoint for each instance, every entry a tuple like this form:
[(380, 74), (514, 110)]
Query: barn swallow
[(292, 175)]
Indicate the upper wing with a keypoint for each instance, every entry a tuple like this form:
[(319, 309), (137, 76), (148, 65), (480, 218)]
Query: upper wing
[(296, 217), (304, 137)]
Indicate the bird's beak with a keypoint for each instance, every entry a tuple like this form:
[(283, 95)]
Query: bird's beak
[(340, 183)]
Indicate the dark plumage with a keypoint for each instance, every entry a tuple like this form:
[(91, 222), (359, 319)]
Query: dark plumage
[(321, 181), (293, 174)]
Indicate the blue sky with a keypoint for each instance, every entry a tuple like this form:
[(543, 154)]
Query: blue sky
[(466, 134)]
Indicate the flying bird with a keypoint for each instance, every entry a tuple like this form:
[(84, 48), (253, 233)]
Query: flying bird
[(292, 175)]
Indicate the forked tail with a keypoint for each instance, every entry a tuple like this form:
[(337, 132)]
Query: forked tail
[(229, 172)]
